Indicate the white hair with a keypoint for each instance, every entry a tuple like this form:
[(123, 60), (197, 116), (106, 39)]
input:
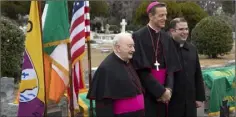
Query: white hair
[(120, 36)]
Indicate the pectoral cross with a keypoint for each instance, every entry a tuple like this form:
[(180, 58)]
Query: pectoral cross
[(157, 65)]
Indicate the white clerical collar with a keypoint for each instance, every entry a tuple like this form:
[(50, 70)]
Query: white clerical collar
[(121, 58), (156, 31)]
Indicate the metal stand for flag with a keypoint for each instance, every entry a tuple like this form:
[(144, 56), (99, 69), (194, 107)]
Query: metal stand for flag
[(45, 92), (90, 76), (71, 82)]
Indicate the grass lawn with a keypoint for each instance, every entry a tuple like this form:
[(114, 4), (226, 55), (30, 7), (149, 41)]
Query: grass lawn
[(97, 57)]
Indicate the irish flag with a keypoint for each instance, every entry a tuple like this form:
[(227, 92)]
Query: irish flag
[(55, 38)]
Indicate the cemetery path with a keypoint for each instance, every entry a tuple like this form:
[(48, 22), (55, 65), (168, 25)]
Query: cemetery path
[(98, 56)]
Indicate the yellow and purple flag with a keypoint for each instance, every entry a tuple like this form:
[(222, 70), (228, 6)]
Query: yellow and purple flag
[(32, 87)]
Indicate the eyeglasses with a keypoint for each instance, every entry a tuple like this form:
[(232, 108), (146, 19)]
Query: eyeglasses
[(183, 29)]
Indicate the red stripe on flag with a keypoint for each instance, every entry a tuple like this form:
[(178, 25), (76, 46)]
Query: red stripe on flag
[(87, 22), (77, 22), (87, 34), (76, 84), (78, 52), (86, 9), (77, 37), (81, 80)]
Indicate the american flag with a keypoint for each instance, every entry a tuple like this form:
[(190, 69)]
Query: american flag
[(79, 32)]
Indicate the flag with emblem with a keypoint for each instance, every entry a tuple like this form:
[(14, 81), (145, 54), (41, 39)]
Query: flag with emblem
[(32, 87)]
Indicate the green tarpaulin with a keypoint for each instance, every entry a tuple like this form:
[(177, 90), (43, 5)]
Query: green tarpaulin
[(221, 82), (85, 104)]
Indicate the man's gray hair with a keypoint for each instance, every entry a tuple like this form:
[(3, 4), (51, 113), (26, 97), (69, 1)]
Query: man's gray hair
[(119, 36)]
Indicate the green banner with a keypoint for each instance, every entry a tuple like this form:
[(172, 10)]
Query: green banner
[(221, 82), (85, 104)]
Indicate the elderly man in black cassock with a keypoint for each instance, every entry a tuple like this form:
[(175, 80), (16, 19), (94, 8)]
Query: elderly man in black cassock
[(116, 88), (155, 60), (188, 92)]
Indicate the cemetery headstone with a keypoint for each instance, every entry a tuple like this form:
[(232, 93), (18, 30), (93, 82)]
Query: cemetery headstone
[(123, 24), (7, 89), (107, 29)]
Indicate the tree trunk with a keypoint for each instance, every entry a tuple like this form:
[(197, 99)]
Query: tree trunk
[(214, 56)]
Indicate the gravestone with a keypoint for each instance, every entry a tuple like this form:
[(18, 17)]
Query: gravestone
[(8, 110), (232, 62), (86, 74), (64, 106), (234, 35), (7, 89), (7, 95), (58, 110), (53, 110), (123, 24), (107, 29), (201, 111), (96, 30), (102, 28)]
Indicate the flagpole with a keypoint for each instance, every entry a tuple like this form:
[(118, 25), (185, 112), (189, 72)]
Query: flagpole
[(45, 93), (71, 81), (90, 75)]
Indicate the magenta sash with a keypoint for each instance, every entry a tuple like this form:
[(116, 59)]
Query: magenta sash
[(129, 105), (159, 75)]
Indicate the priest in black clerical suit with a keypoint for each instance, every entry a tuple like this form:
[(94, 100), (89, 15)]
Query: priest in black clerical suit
[(116, 88), (188, 93), (155, 60)]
